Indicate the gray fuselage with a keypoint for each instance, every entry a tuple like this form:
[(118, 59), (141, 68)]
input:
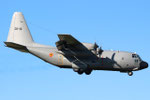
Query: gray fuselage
[(108, 60)]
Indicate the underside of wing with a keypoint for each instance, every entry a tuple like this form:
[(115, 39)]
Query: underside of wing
[(69, 39), (68, 42)]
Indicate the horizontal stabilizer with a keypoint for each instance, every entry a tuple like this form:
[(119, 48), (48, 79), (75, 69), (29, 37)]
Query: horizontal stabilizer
[(16, 46)]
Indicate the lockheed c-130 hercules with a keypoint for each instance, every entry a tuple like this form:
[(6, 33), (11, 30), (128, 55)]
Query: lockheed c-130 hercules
[(70, 53)]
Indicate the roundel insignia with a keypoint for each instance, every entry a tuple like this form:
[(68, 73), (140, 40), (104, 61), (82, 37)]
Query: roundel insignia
[(51, 54)]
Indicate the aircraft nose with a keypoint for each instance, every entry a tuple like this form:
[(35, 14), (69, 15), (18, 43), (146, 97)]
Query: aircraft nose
[(143, 65)]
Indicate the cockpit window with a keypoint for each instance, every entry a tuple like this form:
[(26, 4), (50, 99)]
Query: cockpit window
[(134, 56)]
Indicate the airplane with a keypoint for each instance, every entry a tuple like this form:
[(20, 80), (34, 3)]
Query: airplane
[(71, 53)]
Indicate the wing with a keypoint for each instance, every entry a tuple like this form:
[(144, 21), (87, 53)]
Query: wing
[(69, 39), (68, 45), (68, 42)]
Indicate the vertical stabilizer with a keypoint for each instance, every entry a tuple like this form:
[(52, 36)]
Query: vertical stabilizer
[(19, 32)]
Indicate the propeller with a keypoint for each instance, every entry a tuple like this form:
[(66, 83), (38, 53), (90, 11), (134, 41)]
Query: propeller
[(95, 46), (98, 51)]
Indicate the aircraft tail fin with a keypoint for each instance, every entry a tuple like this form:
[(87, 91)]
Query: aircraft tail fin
[(19, 32)]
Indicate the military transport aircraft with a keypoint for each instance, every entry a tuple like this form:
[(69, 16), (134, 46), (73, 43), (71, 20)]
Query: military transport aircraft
[(70, 53)]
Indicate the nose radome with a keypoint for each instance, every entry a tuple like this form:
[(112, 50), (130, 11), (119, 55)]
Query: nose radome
[(143, 65)]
